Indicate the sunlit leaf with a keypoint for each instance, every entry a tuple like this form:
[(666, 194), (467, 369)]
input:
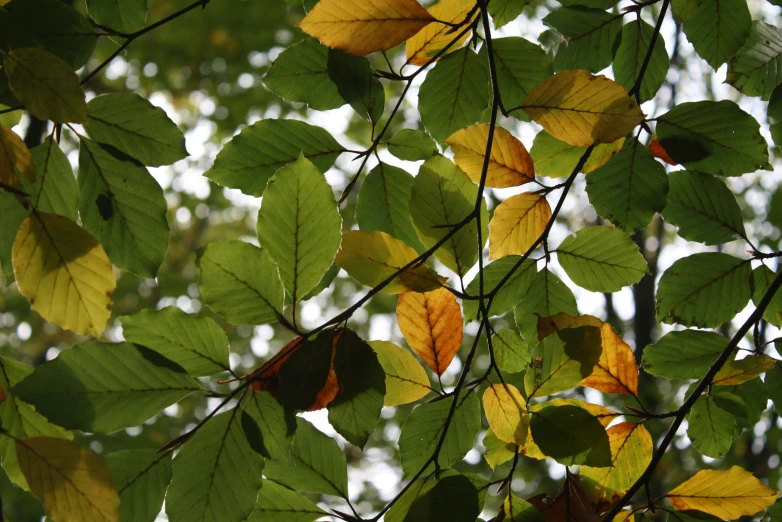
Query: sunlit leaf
[(718, 28), (511, 353), (406, 379), (556, 159), (754, 70), (277, 503), (355, 81), (518, 510), (711, 428), (562, 360), (497, 451), (762, 278), (589, 37), (741, 370), (516, 287), (506, 412), (517, 224), (521, 64), (411, 145), (685, 354), (630, 55), (14, 156), (12, 215), (55, 190), (142, 476), (547, 296), (433, 38)]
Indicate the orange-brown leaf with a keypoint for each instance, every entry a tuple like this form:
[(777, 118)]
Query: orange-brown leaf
[(659, 152), (616, 370), (432, 324)]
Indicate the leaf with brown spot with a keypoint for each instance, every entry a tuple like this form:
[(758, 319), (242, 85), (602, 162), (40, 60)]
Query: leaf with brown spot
[(432, 324)]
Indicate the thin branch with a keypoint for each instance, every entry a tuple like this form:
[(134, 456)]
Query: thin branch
[(636, 89)]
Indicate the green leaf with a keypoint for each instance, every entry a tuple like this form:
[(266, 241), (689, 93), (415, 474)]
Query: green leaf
[(714, 137), (55, 190), (504, 11), (775, 116), (275, 426), (46, 84), (136, 127), (454, 93), (518, 510), (123, 206), (50, 24), (571, 436), (254, 155), (562, 360), (755, 69), (422, 430), (762, 277), (20, 420), (277, 503), (356, 83), (411, 145), (301, 74), (590, 36), (547, 297), (125, 16), (746, 401), (453, 498), (557, 159), (444, 195), (630, 188), (711, 429), (103, 388), (601, 259), (704, 208), (718, 28), (686, 354), (299, 226), (305, 372), (497, 451), (362, 385), (774, 386), (217, 474), (12, 214), (704, 290), (521, 65), (382, 203), (239, 282), (630, 56), (324, 283), (510, 352), (510, 294), (317, 464), (684, 10), (195, 343), (141, 476)]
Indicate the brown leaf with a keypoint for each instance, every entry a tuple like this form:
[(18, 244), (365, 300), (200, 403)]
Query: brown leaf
[(659, 152), (570, 504)]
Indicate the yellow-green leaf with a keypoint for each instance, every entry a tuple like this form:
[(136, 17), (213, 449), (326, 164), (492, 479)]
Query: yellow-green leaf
[(433, 326), (406, 379), (724, 494), (510, 165), (73, 483), (738, 372), (360, 27), (372, 257), (46, 85), (430, 40), (64, 272), (580, 108), (14, 154), (517, 224), (506, 412)]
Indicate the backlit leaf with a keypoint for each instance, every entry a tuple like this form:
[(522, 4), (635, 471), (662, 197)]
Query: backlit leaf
[(630, 56), (601, 259), (277, 503), (741, 370), (547, 296), (197, 344), (518, 223), (259, 150), (704, 290), (718, 28), (433, 38), (581, 109), (556, 159), (711, 428), (72, 482), (498, 451), (275, 424), (589, 37), (509, 295), (562, 360), (299, 226), (360, 28), (518, 510), (357, 85), (504, 11), (510, 164), (432, 325), (55, 190), (411, 145), (755, 69), (685, 354), (521, 64), (372, 257), (142, 476), (571, 436), (14, 156), (121, 15), (239, 282), (406, 379), (46, 85), (103, 388), (511, 353), (64, 272), (506, 412), (707, 492), (762, 277), (12, 215)]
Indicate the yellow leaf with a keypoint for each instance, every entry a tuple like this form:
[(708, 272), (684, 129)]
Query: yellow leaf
[(506, 412), (582, 109), (517, 224), (434, 37), (432, 324), (498, 451), (737, 372), (73, 483), (616, 370), (406, 379), (604, 415), (724, 494), (361, 27), (64, 272), (631, 453), (510, 165), (372, 257), (14, 155)]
